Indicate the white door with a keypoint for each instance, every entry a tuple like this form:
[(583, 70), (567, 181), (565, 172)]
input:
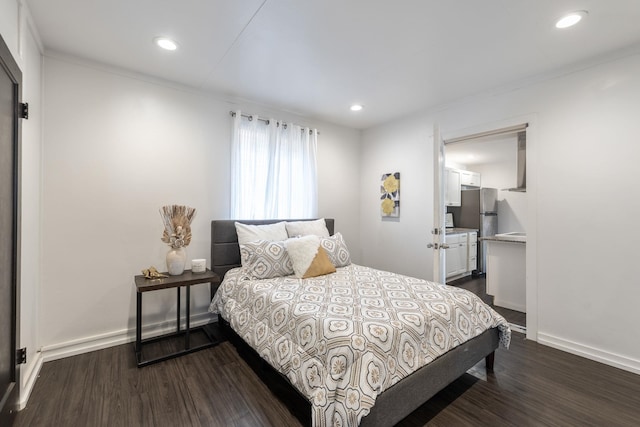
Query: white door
[(437, 231)]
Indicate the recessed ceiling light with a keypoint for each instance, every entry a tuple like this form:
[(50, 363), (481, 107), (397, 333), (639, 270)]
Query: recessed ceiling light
[(356, 107), (571, 19), (165, 43)]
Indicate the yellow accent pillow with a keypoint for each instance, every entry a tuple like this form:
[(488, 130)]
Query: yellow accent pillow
[(320, 265)]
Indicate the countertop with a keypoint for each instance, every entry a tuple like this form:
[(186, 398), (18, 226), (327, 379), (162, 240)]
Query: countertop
[(503, 239), (460, 230)]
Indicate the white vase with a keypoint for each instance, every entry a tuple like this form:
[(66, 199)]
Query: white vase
[(176, 260)]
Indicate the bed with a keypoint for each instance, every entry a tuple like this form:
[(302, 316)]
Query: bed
[(340, 348)]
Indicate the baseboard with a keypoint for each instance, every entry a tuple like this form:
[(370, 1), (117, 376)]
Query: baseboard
[(110, 339), (31, 376), (517, 328), (591, 353)]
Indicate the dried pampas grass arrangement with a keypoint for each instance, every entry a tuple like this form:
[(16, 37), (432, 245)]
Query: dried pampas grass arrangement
[(177, 225)]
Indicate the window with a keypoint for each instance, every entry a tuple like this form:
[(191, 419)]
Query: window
[(273, 169)]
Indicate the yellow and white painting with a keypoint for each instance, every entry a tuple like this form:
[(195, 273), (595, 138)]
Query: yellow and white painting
[(390, 195)]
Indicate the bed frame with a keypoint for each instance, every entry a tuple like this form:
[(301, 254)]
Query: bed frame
[(393, 404)]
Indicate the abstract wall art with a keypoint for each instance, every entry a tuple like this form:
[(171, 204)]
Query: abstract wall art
[(390, 195)]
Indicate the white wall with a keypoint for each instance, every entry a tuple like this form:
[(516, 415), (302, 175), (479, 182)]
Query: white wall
[(512, 205), (24, 43), (581, 160), (117, 148), (398, 244), (9, 24), (31, 210)]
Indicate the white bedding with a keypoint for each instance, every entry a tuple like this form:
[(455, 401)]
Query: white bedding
[(343, 338)]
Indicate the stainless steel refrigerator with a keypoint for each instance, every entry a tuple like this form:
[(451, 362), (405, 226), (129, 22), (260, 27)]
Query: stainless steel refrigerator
[(479, 210)]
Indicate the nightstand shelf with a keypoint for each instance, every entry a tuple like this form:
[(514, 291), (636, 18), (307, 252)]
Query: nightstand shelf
[(182, 341)]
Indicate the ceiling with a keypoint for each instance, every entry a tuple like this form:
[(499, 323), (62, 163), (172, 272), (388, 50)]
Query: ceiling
[(316, 58)]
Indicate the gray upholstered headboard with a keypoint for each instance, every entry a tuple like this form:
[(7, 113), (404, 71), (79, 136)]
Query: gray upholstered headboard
[(225, 251)]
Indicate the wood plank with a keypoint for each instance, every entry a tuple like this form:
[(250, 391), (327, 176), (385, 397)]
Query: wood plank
[(531, 385), (477, 285)]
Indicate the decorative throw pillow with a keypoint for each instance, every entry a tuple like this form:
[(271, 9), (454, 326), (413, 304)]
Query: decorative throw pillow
[(305, 228), (336, 250), (309, 259), (252, 233), (265, 260)]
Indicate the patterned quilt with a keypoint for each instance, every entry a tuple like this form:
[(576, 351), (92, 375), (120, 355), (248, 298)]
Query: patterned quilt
[(344, 338)]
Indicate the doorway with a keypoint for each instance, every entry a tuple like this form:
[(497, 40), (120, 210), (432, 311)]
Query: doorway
[(490, 156), (10, 85)]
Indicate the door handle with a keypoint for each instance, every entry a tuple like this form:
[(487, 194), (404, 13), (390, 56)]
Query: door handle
[(435, 246)]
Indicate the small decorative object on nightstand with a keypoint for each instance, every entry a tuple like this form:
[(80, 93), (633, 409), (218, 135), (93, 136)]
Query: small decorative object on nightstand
[(152, 273), (199, 265), (177, 234)]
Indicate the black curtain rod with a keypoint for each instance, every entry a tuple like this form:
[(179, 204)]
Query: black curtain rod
[(266, 121), (246, 116)]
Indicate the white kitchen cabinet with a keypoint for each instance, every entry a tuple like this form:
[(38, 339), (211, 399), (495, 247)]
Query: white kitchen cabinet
[(451, 254), (461, 257), (455, 179), (472, 252), (456, 255), (462, 254), (452, 187), (469, 179), (451, 266), (506, 274)]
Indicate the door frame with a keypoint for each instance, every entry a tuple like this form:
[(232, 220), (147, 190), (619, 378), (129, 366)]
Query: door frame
[(532, 197), (438, 230), (9, 402)]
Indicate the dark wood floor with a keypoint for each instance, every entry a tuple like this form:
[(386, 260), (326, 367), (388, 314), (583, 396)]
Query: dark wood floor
[(532, 385), (477, 285)]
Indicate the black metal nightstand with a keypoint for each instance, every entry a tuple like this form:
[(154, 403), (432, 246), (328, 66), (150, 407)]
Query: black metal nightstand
[(186, 279)]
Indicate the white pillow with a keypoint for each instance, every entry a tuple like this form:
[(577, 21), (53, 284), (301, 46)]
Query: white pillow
[(305, 228), (308, 258), (252, 233)]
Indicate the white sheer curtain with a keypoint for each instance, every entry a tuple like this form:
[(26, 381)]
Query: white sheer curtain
[(273, 170)]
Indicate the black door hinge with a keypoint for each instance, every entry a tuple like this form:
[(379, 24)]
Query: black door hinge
[(21, 356), (24, 110)]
